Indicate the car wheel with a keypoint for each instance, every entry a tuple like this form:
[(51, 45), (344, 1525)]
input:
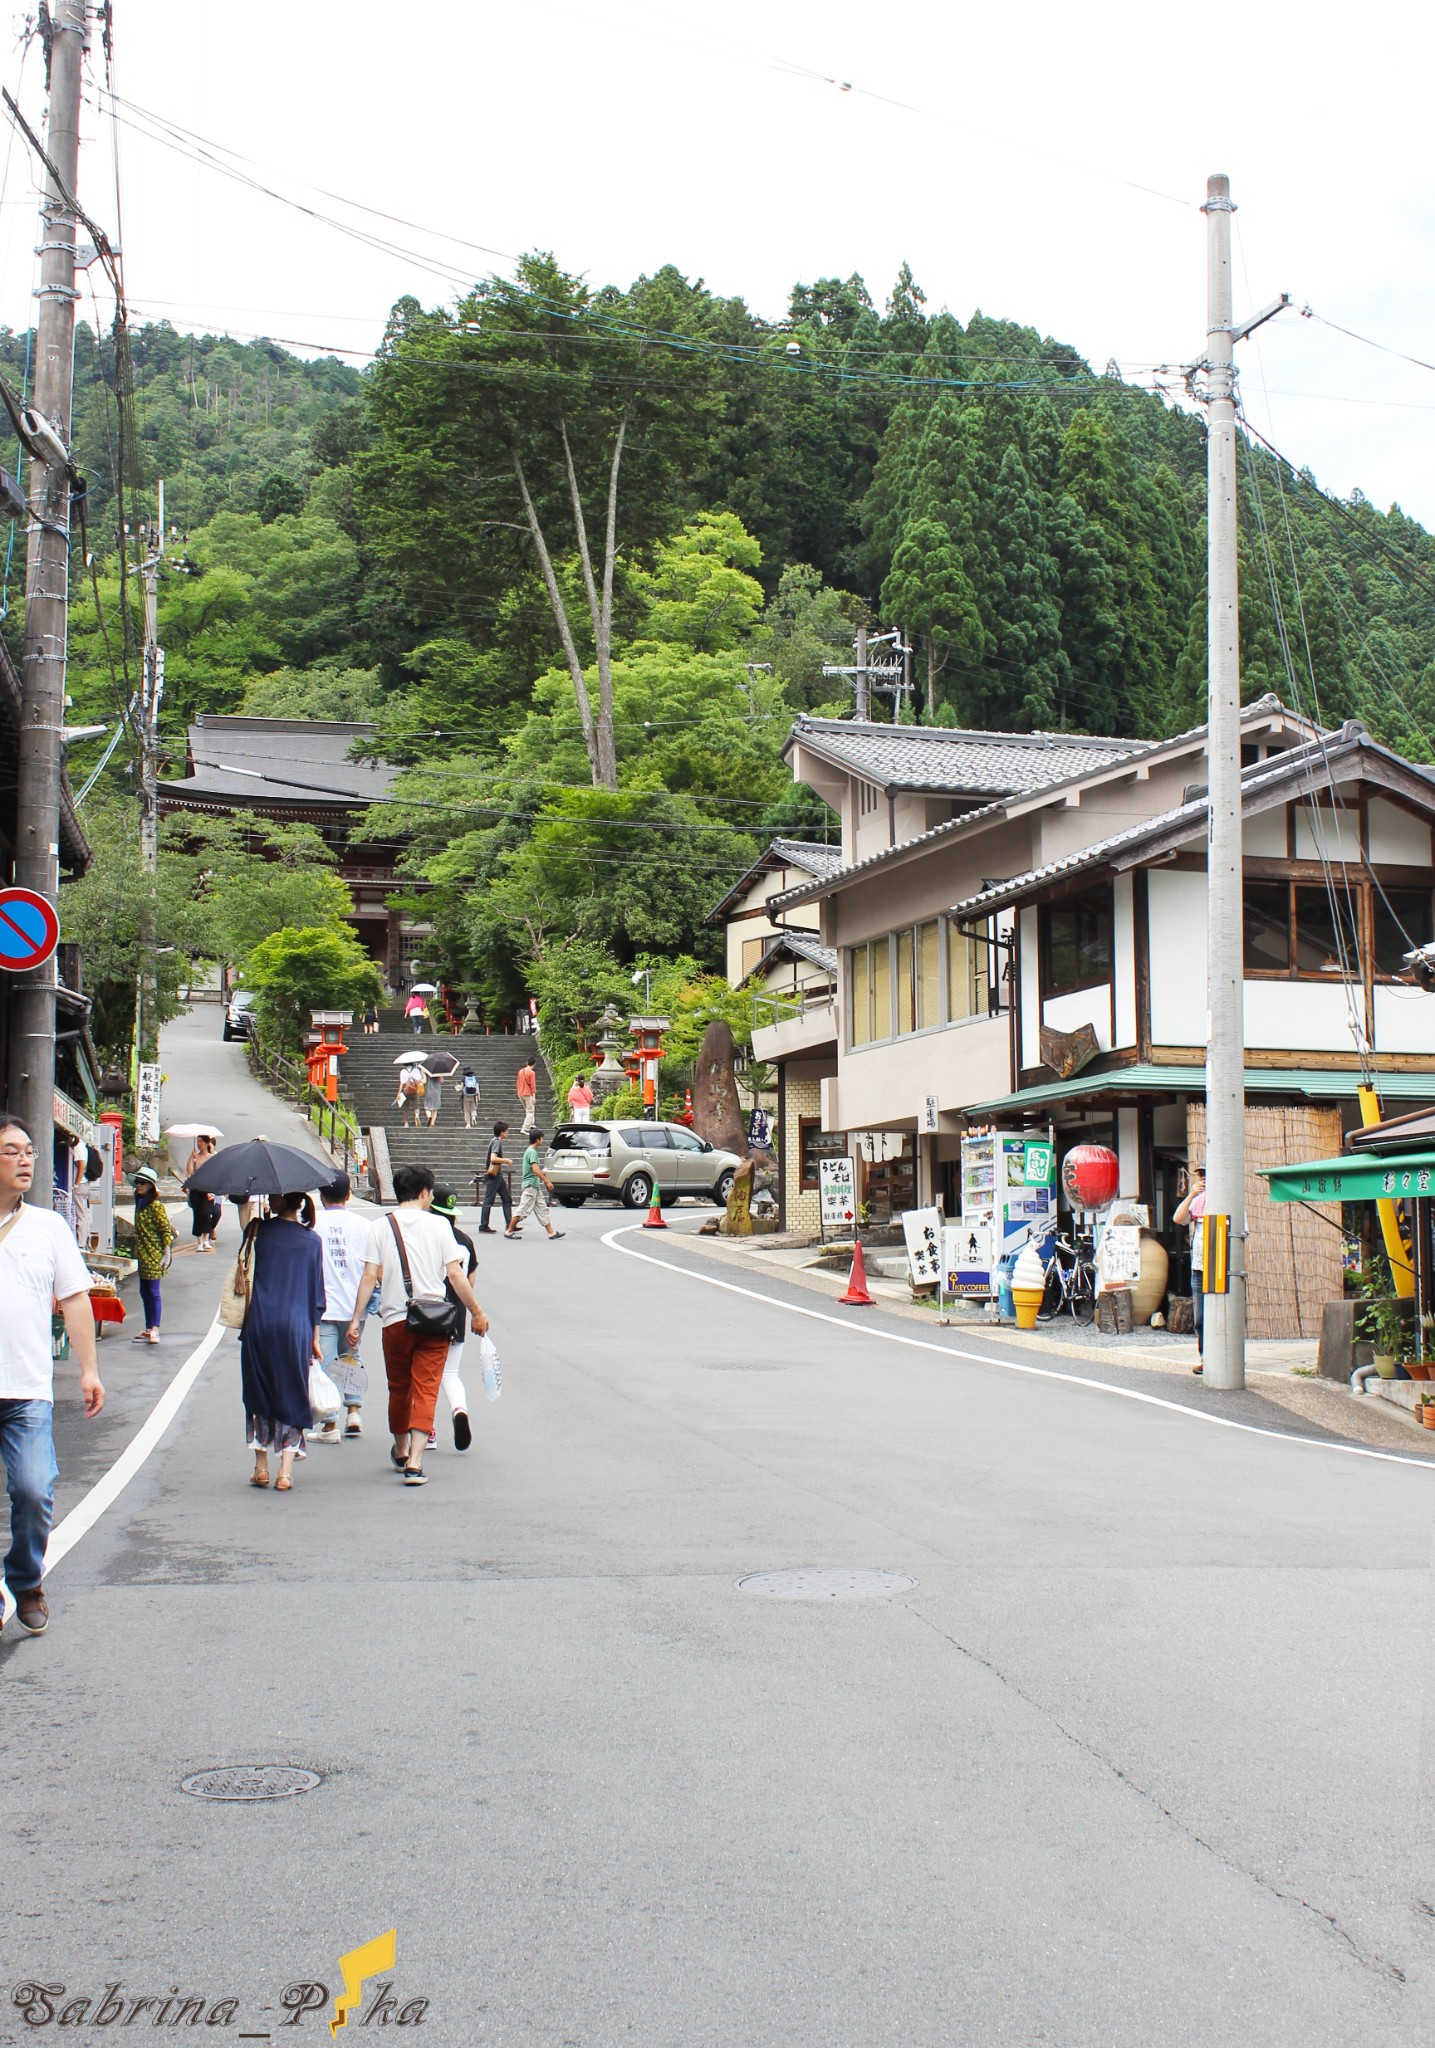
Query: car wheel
[(227, 1034), (572, 1201), (723, 1191), (638, 1194)]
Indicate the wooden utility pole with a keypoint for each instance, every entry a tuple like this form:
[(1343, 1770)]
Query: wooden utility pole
[(47, 565)]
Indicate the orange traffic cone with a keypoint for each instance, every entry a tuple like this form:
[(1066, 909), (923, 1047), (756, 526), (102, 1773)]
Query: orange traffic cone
[(654, 1218), (857, 1294)]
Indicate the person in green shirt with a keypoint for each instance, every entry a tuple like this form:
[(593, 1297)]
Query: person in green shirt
[(537, 1187)]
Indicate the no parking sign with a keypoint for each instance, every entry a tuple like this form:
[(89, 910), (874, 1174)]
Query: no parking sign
[(29, 930)]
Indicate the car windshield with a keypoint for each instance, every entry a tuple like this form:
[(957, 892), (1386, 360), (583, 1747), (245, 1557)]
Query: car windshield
[(241, 1000), (580, 1138)]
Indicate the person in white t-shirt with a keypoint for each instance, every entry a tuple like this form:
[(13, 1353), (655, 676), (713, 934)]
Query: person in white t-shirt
[(413, 1359), (344, 1239), (40, 1265)]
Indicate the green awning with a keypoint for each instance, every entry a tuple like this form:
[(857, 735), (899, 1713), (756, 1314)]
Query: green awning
[(1316, 1084), (1354, 1177)]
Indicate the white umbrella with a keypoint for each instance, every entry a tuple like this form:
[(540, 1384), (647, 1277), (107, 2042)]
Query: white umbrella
[(194, 1131), (423, 988), (412, 1058)]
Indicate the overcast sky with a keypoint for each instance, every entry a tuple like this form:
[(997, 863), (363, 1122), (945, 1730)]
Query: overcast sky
[(996, 149)]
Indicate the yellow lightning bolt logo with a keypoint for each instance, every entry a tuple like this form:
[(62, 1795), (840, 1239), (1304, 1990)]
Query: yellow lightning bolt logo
[(358, 1964)]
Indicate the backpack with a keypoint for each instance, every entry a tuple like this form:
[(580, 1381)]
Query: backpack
[(470, 1084)]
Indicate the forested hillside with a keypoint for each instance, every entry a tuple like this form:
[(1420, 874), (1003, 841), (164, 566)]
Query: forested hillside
[(583, 553)]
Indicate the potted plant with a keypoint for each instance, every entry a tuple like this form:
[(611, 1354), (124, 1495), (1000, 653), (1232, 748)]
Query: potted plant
[(1379, 1320), (1427, 1410)]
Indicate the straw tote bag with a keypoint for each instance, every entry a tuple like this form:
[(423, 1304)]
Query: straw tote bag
[(234, 1298)]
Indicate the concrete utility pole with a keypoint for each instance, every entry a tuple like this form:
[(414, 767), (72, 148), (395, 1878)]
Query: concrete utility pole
[(47, 562), (1225, 1333), (151, 696), (1225, 1311), (864, 708)]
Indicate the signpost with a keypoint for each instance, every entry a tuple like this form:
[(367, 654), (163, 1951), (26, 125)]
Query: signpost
[(922, 1229), (147, 1104), (29, 930), (929, 1116), (837, 1194), (969, 1258)]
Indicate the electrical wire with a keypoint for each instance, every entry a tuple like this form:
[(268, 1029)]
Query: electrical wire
[(1309, 313)]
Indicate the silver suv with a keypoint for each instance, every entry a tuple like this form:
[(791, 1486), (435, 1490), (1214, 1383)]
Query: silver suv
[(628, 1160), (238, 1020)]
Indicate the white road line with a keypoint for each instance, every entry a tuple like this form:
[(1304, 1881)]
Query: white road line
[(106, 1491), (1039, 1372)]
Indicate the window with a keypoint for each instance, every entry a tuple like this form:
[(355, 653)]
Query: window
[(929, 979), (752, 952), (860, 997), (1267, 927), (813, 1146), (1402, 922), (967, 968), (867, 794), (684, 1141), (1324, 933), (1076, 943), (906, 990), (580, 1138), (644, 1137), (881, 972)]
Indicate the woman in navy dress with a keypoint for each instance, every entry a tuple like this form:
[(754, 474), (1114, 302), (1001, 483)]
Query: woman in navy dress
[(281, 1335)]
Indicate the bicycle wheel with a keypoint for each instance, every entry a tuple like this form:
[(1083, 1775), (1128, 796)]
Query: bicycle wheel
[(1083, 1293), (1052, 1298)]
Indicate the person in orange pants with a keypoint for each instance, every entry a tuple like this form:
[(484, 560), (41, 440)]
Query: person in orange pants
[(410, 1256)]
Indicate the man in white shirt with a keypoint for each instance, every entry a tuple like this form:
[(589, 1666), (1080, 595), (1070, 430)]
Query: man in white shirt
[(344, 1237), (413, 1360), (40, 1265)]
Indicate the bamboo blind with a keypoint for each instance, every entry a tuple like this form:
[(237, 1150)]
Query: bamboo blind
[(1293, 1258)]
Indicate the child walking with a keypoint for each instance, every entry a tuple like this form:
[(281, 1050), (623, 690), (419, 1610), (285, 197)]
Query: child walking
[(154, 1234)]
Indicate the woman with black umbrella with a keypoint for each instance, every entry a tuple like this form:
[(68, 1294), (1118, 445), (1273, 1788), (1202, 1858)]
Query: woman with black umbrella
[(281, 1335)]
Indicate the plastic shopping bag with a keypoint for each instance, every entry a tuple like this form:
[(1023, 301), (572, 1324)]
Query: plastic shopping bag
[(323, 1394), (492, 1371)]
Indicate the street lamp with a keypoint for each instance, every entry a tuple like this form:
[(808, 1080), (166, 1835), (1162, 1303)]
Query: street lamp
[(645, 975)]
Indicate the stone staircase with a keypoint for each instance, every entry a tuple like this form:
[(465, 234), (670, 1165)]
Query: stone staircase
[(369, 1081)]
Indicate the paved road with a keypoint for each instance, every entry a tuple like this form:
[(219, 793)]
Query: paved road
[(1136, 1761)]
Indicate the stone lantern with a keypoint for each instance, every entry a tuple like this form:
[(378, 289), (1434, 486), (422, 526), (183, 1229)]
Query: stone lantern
[(608, 1078)]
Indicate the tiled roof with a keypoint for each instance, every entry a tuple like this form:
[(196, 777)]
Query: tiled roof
[(1296, 763), (955, 762), (810, 857), (954, 828), (279, 761), (802, 946)]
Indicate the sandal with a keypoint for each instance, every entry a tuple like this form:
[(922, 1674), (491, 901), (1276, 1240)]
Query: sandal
[(282, 1485), (259, 1479)]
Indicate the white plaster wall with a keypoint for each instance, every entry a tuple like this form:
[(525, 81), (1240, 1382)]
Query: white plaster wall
[(1404, 1020), (1298, 1016), (883, 1085), (1178, 957), (1128, 1151), (1125, 960), (1265, 834), (1030, 990), (1083, 1006), (1397, 837), (1321, 835)]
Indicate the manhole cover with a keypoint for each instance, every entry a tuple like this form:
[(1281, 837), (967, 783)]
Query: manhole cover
[(826, 1582), (250, 1781)]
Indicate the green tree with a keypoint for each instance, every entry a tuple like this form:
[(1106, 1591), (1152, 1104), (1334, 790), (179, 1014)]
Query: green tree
[(346, 694), (304, 968)]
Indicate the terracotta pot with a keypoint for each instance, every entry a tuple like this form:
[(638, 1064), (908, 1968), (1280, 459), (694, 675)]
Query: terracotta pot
[(1427, 1414), (1416, 1371), (1148, 1291)]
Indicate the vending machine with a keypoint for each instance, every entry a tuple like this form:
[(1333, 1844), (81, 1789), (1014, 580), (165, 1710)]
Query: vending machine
[(1008, 1197)]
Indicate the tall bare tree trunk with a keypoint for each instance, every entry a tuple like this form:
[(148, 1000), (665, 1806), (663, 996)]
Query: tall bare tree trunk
[(600, 609), (603, 778)]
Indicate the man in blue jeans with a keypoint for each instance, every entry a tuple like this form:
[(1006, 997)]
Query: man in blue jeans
[(40, 1265)]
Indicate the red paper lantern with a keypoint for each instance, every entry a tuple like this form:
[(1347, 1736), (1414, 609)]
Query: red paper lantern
[(1090, 1176)]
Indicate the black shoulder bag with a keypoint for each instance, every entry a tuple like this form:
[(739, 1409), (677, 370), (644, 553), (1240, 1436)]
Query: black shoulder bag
[(445, 1319)]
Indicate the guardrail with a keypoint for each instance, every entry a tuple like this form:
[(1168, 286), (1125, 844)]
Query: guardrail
[(768, 1010), (332, 1122)]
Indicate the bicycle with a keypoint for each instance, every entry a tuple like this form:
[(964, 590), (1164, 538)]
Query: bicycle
[(1070, 1284)]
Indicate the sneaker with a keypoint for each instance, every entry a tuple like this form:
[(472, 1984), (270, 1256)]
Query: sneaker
[(462, 1433), (353, 1427), (415, 1475), (31, 1612), (1199, 1370), (329, 1434)]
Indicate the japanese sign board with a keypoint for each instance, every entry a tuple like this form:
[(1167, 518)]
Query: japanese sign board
[(1036, 1164), (837, 1193), (1120, 1255), (29, 930), (147, 1105), (968, 1253), (929, 1115), (922, 1229), (759, 1131)]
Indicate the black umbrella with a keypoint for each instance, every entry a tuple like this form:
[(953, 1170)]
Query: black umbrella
[(261, 1167), (440, 1064)]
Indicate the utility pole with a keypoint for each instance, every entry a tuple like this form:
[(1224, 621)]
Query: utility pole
[(1225, 1311), (864, 709), (151, 694), (47, 565)]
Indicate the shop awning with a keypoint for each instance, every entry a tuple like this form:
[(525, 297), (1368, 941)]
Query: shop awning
[(1316, 1083), (1355, 1177)]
